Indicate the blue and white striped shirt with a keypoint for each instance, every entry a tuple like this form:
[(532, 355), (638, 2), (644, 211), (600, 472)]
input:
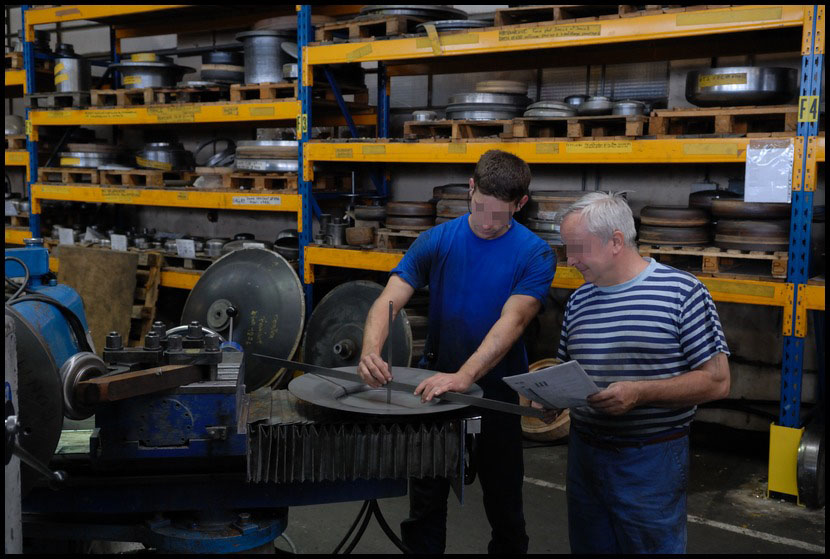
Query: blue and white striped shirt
[(658, 325)]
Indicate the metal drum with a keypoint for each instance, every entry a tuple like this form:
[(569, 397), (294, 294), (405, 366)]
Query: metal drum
[(72, 72), (150, 70), (548, 205), (424, 116), (502, 86), (264, 57), (452, 208), (165, 156), (459, 191), (410, 209), (223, 66), (741, 85)]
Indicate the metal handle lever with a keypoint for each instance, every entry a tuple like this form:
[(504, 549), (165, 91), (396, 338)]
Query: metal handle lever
[(12, 429)]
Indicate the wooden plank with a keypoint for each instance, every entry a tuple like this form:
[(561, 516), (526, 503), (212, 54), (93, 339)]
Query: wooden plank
[(367, 28), (263, 91), (776, 119), (137, 383), (458, 130), (718, 262), (106, 282), (67, 175)]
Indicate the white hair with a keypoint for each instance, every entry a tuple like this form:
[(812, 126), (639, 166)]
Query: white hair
[(603, 213)]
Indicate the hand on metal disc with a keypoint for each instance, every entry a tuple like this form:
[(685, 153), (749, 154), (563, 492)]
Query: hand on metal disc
[(550, 414), (373, 370), (439, 383), (617, 399)]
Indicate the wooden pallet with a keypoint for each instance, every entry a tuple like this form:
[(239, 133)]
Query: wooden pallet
[(395, 239), (200, 263), (264, 181), (157, 96), (458, 129), (14, 61), (148, 279), (580, 127), (141, 177), (367, 28), (67, 175), (732, 120), (262, 91), (17, 141), (351, 94), (55, 100), (585, 12), (19, 220), (719, 262)]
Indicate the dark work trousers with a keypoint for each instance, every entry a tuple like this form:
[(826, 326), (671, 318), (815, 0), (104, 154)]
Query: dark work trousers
[(501, 470)]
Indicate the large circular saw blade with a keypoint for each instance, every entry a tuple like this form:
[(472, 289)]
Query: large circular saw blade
[(270, 304), (334, 337)]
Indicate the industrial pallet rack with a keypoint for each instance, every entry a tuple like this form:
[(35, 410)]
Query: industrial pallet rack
[(767, 28)]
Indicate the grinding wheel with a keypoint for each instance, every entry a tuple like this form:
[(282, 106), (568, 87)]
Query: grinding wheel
[(673, 216), (674, 236), (270, 304), (738, 209), (765, 236), (334, 336), (360, 398), (40, 397)]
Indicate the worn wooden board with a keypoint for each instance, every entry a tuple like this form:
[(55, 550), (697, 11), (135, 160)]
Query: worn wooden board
[(106, 281)]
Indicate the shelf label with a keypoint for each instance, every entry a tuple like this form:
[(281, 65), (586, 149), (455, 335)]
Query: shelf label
[(550, 32), (160, 165), (144, 57), (547, 148), (598, 147), (68, 161), (29, 128), (808, 108), (58, 115), (374, 150), (230, 111), (55, 189), (66, 236), (256, 201), (712, 80), (456, 148), (186, 113), (111, 114), (131, 80), (449, 40), (343, 153), (261, 111), (58, 67), (359, 53), (120, 195), (710, 149), (17, 157), (186, 248), (302, 124), (706, 17), (118, 242), (60, 78)]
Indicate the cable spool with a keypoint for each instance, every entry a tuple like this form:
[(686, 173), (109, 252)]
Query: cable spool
[(534, 428)]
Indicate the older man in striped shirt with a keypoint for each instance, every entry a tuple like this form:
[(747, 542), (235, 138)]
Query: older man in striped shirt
[(650, 337)]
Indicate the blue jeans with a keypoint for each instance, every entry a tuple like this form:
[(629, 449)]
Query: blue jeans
[(627, 500)]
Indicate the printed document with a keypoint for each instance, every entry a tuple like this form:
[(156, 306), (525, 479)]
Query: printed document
[(561, 386)]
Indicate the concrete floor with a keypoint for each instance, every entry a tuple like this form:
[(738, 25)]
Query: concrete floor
[(727, 507)]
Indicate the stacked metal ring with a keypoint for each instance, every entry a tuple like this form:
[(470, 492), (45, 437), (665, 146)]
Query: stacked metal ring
[(410, 216), (550, 109), (544, 212), (267, 156), (674, 226), (486, 106), (751, 225)]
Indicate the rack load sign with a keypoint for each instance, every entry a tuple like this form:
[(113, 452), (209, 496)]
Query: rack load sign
[(808, 108)]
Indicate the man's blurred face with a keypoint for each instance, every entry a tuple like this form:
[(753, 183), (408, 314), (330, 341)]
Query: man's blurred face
[(586, 252), (489, 216)]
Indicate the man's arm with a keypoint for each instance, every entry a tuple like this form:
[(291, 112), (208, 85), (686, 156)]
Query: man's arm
[(517, 312), (372, 368), (708, 382)]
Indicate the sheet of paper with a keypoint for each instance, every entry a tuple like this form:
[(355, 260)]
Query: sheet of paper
[(561, 386)]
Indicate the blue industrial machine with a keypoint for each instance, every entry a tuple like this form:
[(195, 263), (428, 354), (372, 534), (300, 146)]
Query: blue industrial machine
[(184, 457)]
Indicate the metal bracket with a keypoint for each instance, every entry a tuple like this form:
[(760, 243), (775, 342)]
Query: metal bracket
[(819, 43), (807, 34), (798, 160), (801, 312), (788, 310), (811, 168)]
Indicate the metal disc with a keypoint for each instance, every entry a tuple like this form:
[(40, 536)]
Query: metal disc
[(334, 336), (358, 397), (738, 209), (455, 25), (753, 235), (629, 107), (549, 113), (270, 304), (597, 105), (266, 165), (458, 191), (40, 397), (543, 226), (482, 115), (703, 199), (370, 213), (449, 207), (810, 466), (81, 366), (410, 208), (410, 223), (673, 236), (673, 216), (416, 10), (480, 98)]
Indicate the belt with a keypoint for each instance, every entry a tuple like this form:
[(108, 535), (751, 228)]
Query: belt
[(616, 445)]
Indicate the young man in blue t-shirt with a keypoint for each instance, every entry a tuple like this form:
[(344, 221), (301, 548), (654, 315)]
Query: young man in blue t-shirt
[(488, 277)]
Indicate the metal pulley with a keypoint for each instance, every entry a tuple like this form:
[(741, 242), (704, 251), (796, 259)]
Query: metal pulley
[(334, 336), (269, 298)]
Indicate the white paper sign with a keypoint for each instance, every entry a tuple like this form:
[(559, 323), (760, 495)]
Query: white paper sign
[(256, 201), (186, 248), (10, 209), (119, 242), (558, 387), (66, 236), (769, 171)]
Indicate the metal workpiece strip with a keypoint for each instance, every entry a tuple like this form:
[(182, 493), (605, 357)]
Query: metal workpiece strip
[(455, 397)]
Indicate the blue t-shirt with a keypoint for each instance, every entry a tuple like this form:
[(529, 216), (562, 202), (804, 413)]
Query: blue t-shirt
[(470, 280)]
